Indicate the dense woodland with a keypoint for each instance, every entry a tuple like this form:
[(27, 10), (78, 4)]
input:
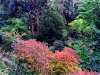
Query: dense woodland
[(49, 37)]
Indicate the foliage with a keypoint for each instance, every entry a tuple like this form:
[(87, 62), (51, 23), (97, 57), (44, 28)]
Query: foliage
[(68, 8), (90, 12), (8, 28), (95, 58), (16, 26), (27, 10), (85, 72), (81, 26), (88, 20), (64, 32), (41, 60), (35, 58), (65, 62), (6, 43), (87, 25), (3, 70), (80, 50), (51, 28), (21, 69), (36, 54), (89, 53)]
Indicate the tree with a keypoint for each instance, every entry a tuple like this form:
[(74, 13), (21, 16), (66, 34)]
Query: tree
[(51, 28), (87, 23)]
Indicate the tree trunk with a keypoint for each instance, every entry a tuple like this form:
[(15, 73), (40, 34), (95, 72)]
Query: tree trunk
[(62, 5), (32, 27), (15, 8), (37, 18), (37, 21)]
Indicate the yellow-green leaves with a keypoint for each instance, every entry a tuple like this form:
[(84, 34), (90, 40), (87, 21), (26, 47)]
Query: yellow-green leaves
[(80, 26)]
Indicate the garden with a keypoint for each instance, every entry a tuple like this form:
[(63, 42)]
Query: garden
[(49, 37)]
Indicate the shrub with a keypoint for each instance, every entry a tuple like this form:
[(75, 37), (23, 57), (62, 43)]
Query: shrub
[(81, 26), (80, 49), (65, 62), (40, 60), (8, 28), (6, 43), (91, 15), (16, 25), (89, 53), (36, 54)]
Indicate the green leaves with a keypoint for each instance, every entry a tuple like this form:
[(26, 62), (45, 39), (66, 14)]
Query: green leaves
[(15, 26), (3, 70), (91, 10), (93, 26), (80, 50), (81, 26), (51, 28), (17, 21), (89, 5)]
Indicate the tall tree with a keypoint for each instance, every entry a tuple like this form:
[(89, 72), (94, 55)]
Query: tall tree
[(52, 25)]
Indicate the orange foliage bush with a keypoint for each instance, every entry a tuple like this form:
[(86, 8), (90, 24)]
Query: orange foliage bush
[(42, 60), (36, 54), (65, 62)]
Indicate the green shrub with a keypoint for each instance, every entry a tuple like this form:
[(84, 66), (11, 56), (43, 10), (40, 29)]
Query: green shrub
[(87, 25), (7, 43), (8, 28), (16, 26), (80, 50), (90, 55), (81, 26)]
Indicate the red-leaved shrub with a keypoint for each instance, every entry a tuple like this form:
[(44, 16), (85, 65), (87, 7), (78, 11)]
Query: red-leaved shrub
[(65, 62), (42, 60), (35, 53)]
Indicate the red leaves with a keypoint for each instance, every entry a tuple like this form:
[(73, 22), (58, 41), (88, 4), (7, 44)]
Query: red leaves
[(66, 61), (36, 53), (66, 55), (38, 56)]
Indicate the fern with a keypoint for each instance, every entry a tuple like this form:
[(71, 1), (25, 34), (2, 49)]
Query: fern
[(16, 26)]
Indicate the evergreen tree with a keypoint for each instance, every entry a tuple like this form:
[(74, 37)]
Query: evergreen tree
[(51, 28)]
